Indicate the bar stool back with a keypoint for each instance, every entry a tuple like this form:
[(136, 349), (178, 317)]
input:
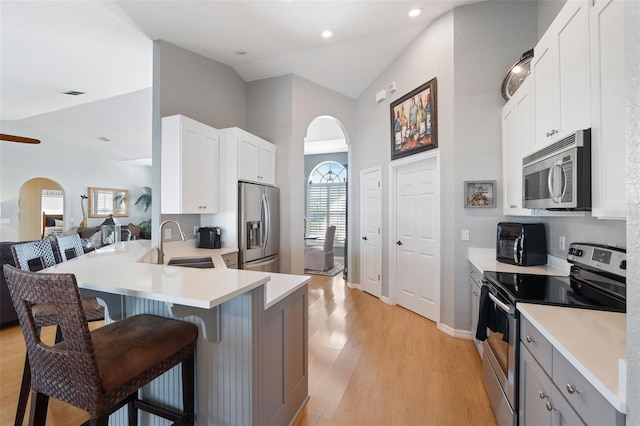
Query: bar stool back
[(70, 246), (99, 371)]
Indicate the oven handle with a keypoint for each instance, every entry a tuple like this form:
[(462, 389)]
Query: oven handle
[(509, 310)]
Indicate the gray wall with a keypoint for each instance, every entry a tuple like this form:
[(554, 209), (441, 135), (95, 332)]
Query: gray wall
[(280, 110), (310, 161), (202, 89), (632, 67)]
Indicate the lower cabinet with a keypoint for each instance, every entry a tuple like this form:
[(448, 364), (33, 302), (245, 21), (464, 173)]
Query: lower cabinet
[(475, 282), (285, 362), (541, 403), (553, 391)]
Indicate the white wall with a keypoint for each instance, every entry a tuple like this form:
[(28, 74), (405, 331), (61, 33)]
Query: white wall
[(73, 169)]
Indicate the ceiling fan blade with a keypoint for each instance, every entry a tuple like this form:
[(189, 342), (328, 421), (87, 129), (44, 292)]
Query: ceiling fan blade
[(21, 139)]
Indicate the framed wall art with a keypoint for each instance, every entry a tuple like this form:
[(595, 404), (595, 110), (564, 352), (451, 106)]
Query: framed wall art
[(414, 121), (480, 193)]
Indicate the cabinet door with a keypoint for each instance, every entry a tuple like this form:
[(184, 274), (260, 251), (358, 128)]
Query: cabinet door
[(563, 414), (199, 168), (608, 148), (248, 158), (475, 283), (267, 163), (560, 70), (516, 140), (535, 392)]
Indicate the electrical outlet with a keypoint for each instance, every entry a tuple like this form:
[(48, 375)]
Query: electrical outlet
[(167, 233), (465, 235), (561, 242), (195, 230)]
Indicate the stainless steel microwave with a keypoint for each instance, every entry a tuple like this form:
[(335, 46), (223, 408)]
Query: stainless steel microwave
[(558, 177)]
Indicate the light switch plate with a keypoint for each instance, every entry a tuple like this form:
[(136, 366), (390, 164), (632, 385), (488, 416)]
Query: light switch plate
[(465, 235)]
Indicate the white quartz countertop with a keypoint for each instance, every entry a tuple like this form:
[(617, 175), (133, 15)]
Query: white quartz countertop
[(129, 268), (485, 260), (592, 341)]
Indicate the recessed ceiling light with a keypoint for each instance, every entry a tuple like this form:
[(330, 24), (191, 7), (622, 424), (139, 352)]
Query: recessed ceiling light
[(73, 93), (415, 12), (240, 52), (326, 34)]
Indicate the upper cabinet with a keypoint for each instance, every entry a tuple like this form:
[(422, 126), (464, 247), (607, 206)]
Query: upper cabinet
[(189, 167), (608, 110), (256, 157), (560, 76), (516, 140)]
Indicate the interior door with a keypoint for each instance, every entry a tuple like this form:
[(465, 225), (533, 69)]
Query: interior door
[(371, 222), (417, 237)]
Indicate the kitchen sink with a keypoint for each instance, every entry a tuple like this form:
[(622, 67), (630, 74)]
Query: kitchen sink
[(192, 262)]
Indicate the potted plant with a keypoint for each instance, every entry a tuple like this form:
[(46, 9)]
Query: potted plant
[(144, 201)]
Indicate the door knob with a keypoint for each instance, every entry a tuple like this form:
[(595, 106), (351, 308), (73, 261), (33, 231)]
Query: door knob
[(365, 238), (399, 242)]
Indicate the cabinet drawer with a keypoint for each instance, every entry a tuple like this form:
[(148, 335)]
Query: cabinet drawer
[(476, 276), (582, 396), (539, 346)]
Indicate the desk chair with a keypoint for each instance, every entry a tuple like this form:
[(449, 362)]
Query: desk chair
[(100, 371)]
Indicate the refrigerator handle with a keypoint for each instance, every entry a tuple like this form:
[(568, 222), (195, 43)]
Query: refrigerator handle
[(267, 220)]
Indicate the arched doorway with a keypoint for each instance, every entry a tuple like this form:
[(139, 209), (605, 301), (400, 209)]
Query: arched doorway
[(326, 143), (36, 196)]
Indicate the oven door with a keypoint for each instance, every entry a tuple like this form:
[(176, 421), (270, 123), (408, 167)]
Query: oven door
[(500, 361)]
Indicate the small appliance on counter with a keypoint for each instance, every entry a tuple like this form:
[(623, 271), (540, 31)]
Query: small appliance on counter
[(210, 237), (522, 244)]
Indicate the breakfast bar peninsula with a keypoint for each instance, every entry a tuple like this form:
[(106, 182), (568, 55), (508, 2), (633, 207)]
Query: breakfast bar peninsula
[(241, 351)]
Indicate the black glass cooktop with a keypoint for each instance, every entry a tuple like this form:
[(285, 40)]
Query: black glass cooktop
[(560, 291)]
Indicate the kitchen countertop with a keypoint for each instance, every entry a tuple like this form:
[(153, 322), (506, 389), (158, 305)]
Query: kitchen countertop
[(485, 260), (128, 268), (592, 341)]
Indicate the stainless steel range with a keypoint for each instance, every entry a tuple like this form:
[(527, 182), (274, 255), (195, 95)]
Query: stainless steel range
[(597, 281)]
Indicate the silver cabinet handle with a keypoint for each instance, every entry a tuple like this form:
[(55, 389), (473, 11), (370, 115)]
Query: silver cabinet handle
[(530, 339), (550, 406), (571, 389), (542, 395)]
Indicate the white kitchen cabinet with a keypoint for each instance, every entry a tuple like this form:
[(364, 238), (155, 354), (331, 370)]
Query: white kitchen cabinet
[(560, 75), (256, 158), (189, 166), (516, 140), (475, 281), (608, 142)]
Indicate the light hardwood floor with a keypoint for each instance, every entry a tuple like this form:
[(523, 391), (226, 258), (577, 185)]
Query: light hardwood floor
[(369, 364)]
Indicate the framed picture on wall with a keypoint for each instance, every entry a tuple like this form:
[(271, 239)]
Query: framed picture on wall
[(480, 193), (414, 121)]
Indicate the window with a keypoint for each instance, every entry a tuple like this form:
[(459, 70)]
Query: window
[(327, 200)]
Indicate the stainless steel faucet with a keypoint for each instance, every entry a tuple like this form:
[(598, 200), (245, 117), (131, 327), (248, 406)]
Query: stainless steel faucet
[(160, 245)]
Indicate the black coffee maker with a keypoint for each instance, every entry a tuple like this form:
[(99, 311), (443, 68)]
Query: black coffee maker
[(210, 237)]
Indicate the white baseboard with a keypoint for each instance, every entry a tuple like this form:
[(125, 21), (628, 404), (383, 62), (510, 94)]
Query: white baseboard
[(354, 285), (386, 300), (460, 334)]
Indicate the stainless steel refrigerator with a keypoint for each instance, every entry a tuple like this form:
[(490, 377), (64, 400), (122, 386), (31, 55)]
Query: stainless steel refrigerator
[(258, 227)]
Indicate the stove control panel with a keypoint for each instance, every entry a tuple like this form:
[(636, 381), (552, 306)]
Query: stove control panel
[(605, 258)]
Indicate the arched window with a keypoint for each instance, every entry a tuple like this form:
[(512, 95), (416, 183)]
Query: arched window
[(327, 200)]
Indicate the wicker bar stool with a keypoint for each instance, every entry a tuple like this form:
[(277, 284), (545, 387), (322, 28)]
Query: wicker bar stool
[(99, 371), (34, 256), (70, 246)]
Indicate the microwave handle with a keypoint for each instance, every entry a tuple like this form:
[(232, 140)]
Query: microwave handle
[(516, 251), (557, 164)]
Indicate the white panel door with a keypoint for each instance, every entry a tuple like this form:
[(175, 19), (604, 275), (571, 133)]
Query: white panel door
[(370, 224), (417, 235)]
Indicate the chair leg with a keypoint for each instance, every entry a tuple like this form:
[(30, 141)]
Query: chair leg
[(24, 393), (39, 404), (188, 389)]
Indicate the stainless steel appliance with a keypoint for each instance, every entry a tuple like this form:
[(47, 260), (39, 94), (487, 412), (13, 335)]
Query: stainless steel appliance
[(523, 244), (210, 237), (258, 227), (558, 177), (597, 281)]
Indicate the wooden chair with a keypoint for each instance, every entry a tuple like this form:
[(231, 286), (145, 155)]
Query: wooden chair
[(35, 256), (100, 371), (70, 246)]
